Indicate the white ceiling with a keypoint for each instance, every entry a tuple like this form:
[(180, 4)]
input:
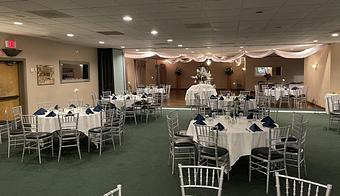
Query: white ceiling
[(230, 23)]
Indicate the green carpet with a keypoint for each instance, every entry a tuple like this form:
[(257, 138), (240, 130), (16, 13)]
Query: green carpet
[(140, 165)]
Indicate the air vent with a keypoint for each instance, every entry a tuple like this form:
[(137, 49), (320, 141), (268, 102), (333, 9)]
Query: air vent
[(198, 26), (110, 32), (161, 44), (50, 14)]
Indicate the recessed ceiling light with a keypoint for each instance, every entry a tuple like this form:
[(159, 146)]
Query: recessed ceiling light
[(169, 40), (122, 47), (209, 47), (137, 50), (18, 23), (315, 40), (192, 51), (335, 34), (241, 47), (180, 45), (187, 48), (127, 18), (70, 35), (154, 32), (101, 42)]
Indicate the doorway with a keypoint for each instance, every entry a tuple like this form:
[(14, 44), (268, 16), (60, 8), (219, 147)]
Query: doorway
[(11, 86)]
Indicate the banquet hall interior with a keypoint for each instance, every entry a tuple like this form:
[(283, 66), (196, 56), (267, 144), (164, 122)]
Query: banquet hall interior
[(169, 97)]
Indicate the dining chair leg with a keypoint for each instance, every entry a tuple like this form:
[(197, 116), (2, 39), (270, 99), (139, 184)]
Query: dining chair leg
[(120, 139), (89, 142), (52, 146), (100, 144), (23, 153), (267, 181), (59, 153), (113, 142), (299, 169), (249, 177), (39, 154), (304, 165), (78, 146), (9, 148), (173, 164)]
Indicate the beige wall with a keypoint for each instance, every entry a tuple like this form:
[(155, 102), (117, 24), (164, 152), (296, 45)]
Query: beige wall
[(44, 52), (247, 79), (335, 71), (130, 74)]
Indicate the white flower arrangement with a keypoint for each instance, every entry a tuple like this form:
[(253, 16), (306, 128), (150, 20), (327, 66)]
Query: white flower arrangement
[(202, 76)]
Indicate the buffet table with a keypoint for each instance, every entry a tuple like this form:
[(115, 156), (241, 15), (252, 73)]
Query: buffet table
[(204, 91), (236, 137)]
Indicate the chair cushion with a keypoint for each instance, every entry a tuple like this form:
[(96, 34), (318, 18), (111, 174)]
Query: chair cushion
[(289, 149), (17, 132), (98, 129), (68, 133), (290, 139), (183, 142), (263, 152), (39, 135), (210, 151)]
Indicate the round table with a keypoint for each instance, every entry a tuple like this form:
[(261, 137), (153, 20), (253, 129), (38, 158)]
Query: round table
[(237, 138), (204, 91)]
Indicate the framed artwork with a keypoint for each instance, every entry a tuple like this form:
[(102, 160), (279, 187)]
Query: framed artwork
[(45, 74)]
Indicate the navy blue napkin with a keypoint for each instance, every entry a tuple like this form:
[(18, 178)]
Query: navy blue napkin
[(98, 108), (219, 126), (72, 106), (210, 114), (143, 96), (269, 124), (221, 98), (114, 97), (134, 93), (88, 111), (250, 116), (199, 117), (124, 93), (255, 128), (199, 122), (267, 118), (51, 114), (127, 98), (41, 111), (213, 97), (69, 113), (294, 88), (56, 107), (253, 110)]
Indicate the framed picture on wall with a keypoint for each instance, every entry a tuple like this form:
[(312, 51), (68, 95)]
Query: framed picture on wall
[(45, 74)]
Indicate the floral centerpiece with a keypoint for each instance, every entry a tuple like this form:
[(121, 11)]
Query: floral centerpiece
[(203, 76)]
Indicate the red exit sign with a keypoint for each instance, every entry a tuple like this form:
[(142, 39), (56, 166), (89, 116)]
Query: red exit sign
[(10, 44)]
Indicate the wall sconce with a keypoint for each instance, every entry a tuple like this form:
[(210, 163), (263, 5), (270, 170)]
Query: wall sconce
[(315, 66)]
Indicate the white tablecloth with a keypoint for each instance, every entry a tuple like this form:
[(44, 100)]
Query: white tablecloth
[(236, 137), (153, 90), (122, 100), (277, 92), (251, 103), (335, 98), (204, 91), (86, 122)]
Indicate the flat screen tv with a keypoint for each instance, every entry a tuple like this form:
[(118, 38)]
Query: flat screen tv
[(261, 71)]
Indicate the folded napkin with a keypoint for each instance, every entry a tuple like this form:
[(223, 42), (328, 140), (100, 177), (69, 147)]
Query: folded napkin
[(114, 97), (134, 93), (294, 88), (221, 98), (127, 98), (51, 114), (267, 119), (41, 111), (255, 128), (213, 97), (269, 124), (72, 106), (273, 88), (124, 93), (56, 107), (159, 87), (98, 108), (253, 110), (69, 113), (143, 96), (199, 122), (88, 111), (219, 126), (199, 117), (250, 116)]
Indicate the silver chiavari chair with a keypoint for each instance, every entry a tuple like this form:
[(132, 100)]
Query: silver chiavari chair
[(284, 98), (334, 112), (102, 134), (68, 133), (4, 125), (33, 139), (117, 127), (200, 177), (16, 130), (209, 153), (95, 100), (296, 186), (115, 192), (225, 92), (131, 110), (180, 146), (268, 160), (106, 94)]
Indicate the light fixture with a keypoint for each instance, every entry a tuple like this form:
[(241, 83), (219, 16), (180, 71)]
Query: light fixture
[(241, 47), (315, 41), (154, 32), (137, 50), (18, 23), (335, 34), (208, 62), (101, 42), (208, 47), (127, 18), (122, 47), (70, 35), (180, 45), (169, 40), (187, 48), (315, 66), (283, 80), (244, 68)]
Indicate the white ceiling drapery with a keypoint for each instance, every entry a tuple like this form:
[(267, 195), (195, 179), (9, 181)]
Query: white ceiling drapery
[(186, 58)]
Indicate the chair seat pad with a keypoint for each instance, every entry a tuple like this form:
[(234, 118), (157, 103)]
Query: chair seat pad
[(39, 135), (290, 139), (17, 132), (68, 133), (206, 151), (263, 152), (183, 142), (99, 129)]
